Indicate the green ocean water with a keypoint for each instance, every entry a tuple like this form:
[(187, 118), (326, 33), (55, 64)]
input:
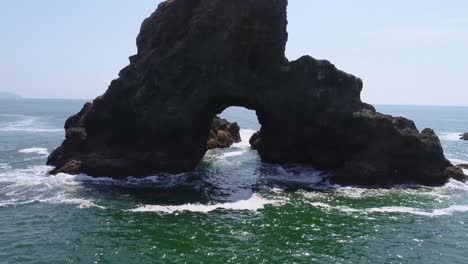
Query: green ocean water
[(232, 209)]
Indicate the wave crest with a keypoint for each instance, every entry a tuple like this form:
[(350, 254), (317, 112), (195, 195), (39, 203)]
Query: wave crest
[(254, 203), (40, 151)]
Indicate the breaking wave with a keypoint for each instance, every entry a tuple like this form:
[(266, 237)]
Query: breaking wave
[(263, 186), (40, 151), (231, 154), (60, 199), (394, 209), (245, 134), (255, 203), (450, 136), (34, 185), (443, 198), (23, 123)]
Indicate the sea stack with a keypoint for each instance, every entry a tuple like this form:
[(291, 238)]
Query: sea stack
[(223, 134), (196, 58), (464, 136)]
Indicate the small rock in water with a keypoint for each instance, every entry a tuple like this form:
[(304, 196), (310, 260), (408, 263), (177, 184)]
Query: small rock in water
[(464, 136)]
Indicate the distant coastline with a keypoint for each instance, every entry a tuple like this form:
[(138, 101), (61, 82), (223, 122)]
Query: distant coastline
[(6, 95)]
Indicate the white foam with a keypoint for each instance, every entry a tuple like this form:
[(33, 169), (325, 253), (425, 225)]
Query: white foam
[(80, 202), (41, 151), (162, 180), (293, 175), (231, 154), (465, 171), (255, 203), (328, 207), (455, 185), (394, 209), (409, 210), (458, 161), (360, 193), (34, 185), (26, 124), (450, 136), (4, 166), (245, 134)]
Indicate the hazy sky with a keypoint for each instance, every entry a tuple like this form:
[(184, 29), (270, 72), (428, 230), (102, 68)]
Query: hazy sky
[(407, 52)]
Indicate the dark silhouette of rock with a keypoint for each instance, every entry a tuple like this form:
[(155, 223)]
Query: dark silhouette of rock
[(464, 136), (256, 140), (198, 57), (463, 166)]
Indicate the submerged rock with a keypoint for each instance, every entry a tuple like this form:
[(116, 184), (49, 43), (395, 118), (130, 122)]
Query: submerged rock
[(464, 136), (198, 57)]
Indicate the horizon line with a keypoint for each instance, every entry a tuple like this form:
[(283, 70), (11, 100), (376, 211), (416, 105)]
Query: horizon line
[(91, 99)]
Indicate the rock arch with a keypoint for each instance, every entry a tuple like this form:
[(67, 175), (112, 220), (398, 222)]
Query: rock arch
[(196, 58)]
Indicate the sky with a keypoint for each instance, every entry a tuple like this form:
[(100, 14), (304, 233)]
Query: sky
[(407, 52)]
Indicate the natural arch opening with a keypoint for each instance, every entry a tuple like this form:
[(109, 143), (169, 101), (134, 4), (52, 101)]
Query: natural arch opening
[(231, 173), (233, 127), (246, 118)]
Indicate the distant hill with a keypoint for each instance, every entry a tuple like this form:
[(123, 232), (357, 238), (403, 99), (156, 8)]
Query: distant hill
[(6, 95)]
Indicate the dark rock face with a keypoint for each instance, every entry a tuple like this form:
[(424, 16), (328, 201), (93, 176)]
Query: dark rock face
[(196, 58), (255, 141), (464, 136)]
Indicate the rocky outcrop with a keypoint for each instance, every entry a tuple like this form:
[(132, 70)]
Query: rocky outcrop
[(255, 141), (197, 57), (464, 136), (223, 134)]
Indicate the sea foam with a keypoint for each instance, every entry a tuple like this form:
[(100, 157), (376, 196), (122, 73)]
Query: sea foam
[(231, 154), (245, 134), (40, 151), (450, 136), (5, 166), (441, 196), (458, 161), (27, 124), (79, 202), (34, 185), (254, 203), (394, 209)]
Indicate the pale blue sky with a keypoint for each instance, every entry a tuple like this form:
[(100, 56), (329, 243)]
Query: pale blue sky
[(407, 52)]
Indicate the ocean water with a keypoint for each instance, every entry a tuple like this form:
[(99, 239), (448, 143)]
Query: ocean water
[(232, 209)]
